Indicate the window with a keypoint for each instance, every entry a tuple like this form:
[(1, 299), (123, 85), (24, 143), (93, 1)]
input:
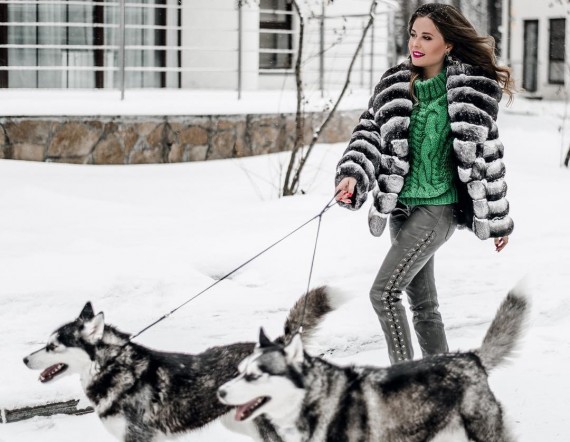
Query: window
[(530, 55), (556, 52), (145, 26), (275, 34), (76, 44)]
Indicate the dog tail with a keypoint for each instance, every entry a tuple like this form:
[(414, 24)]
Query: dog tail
[(506, 329), (309, 311)]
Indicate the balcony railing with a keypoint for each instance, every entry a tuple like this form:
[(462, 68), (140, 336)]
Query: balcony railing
[(145, 44)]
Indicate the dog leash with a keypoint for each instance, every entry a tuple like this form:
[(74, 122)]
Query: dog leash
[(320, 217), (330, 204)]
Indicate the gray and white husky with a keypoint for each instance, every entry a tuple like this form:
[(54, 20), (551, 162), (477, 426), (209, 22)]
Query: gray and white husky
[(142, 394), (439, 398)]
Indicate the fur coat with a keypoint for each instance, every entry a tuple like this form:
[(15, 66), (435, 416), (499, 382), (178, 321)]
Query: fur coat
[(378, 152)]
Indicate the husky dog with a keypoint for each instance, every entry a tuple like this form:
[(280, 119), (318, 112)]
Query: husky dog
[(142, 394), (441, 397)]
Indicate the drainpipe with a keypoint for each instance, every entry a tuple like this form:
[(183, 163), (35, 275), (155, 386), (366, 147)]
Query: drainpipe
[(122, 47), (240, 47), (509, 31), (322, 50)]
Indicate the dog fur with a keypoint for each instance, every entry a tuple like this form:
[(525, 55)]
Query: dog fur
[(142, 394), (441, 397)]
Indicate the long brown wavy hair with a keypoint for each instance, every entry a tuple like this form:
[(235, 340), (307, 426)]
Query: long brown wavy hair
[(468, 46)]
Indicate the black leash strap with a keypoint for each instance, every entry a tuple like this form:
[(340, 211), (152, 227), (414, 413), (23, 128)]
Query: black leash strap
[(331, 203)]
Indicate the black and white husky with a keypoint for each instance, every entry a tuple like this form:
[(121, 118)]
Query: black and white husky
[(440, 398), (142, 394)]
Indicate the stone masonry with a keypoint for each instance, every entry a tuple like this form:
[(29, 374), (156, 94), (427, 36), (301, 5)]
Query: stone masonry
[(168, 139)]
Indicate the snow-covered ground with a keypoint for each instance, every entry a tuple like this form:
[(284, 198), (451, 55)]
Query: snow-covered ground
[(53, 102), (139, 240)]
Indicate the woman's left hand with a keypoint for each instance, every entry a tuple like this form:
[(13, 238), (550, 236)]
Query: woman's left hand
[(501, 243)]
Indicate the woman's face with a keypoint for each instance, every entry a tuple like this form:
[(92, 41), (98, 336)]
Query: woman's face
[(427, 46)]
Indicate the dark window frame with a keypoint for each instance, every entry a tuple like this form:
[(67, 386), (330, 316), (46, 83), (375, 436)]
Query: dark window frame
[(286, 25), (552, 40), (99, 40), (533, 81), (160, 35), (3, 41), (98, 34)]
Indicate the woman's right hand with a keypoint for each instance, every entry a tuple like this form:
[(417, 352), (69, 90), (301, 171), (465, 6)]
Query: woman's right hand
[(345, 189)]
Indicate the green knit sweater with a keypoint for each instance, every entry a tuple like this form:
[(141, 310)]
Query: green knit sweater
[(431, 177)]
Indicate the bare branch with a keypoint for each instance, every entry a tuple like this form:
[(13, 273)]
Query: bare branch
[(295, 181), (299, 120), (339, 38)]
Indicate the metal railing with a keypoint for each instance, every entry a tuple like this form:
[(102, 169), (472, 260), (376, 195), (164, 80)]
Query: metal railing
[(127, 44)]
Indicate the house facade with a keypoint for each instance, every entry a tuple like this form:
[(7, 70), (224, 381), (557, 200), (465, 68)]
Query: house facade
[(535, 35), (189, 44), (211, 44)]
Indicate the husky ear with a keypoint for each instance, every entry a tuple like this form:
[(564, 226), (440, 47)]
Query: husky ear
[(87, 312), (294, 350), (264, 341), (93, 329)]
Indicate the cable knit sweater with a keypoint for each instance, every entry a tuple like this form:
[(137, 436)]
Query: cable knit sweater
[(378, 154), (431, 176)]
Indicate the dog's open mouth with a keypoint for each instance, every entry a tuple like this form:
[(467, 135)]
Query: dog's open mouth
[(246, 410), (51, 372)]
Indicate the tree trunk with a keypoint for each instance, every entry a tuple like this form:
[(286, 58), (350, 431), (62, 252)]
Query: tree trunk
[(291, 184)]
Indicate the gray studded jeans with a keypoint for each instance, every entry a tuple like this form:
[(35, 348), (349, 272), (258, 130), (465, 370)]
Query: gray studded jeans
[(416, 233)]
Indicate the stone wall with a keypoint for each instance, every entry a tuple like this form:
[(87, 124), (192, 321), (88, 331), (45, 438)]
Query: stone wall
[(168, 139)]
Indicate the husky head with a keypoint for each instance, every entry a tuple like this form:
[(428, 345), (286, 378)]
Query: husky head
[(70, 349), (269, 381)]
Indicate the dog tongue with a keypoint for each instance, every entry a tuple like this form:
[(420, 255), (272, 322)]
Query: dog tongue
[(51, 371), (244, 410)]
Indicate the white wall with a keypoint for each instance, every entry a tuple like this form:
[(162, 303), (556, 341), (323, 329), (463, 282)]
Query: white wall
[(210, 39), (542, 11)]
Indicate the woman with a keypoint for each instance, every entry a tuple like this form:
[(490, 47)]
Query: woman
[(428, 149)]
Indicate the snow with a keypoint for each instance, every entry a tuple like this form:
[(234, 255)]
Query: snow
[(138, 241), (53, 102)]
